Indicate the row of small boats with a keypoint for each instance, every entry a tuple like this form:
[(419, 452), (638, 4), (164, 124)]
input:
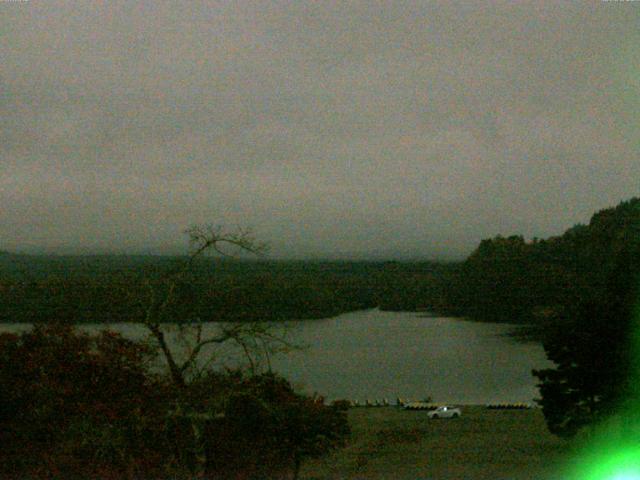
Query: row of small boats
[(427, 405)]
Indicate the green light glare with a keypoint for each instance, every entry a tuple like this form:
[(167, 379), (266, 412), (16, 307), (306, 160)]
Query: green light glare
[(621, 465), (613, 453), (626, 476), (635, 368)]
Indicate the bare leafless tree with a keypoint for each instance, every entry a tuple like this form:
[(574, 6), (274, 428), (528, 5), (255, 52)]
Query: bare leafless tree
[(257, 340)]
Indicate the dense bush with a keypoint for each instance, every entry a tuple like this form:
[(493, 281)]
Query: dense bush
[(73, 405), (277, 427)]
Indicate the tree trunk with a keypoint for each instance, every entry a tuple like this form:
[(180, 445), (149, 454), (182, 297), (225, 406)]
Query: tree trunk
[(176, 374), (296, 467)]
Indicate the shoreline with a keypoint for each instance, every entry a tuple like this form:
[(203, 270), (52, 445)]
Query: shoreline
[(482, 444)]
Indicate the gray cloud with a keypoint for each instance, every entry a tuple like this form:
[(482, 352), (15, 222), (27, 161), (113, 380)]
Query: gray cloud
[(359, 128)]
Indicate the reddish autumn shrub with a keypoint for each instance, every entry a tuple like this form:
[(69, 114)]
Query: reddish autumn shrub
[(74, 405), (274, 428), (78, 405)]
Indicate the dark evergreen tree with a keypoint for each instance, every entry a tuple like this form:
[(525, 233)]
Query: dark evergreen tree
[(594, 343)]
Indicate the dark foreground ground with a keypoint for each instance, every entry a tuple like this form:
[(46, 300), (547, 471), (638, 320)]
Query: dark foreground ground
[(483, 444)]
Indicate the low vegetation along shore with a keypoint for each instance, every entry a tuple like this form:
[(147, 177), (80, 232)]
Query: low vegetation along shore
[(482, 444)]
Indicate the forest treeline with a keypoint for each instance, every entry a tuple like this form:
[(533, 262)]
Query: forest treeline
[(505, 279), (110, 288)]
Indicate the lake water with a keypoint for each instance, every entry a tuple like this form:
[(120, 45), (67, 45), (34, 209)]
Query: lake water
[(374, 355)]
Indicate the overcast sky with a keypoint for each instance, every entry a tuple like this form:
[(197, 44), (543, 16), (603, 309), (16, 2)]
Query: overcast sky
[(333, 129)]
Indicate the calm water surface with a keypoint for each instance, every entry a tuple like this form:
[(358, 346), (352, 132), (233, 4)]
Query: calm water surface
[(373, 355)]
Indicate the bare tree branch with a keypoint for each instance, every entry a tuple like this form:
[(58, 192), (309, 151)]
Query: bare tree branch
[(203, 238), (198, 347), (162, 293)]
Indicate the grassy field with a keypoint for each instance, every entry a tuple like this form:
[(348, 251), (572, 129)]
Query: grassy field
[(483, 444)]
